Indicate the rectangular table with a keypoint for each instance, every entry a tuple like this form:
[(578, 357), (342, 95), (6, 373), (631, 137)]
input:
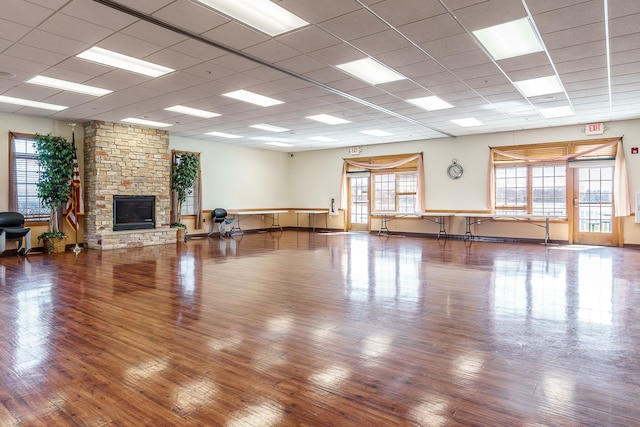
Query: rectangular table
[(314, 212), (438, 218), (273, 214), (483, 217), (390, 216)]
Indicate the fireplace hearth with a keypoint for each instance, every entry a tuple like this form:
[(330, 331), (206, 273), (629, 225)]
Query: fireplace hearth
[(134, 212)]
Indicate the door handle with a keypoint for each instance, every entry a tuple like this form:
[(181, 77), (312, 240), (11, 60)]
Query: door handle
[(576, 203)]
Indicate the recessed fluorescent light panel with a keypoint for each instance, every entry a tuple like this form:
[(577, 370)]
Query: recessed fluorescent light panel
[(252, 98), (371, 71), (263, 15), (114, 59), (328, 119), (510, 39), (278, 144), (539, 86), (430, 103), (323, 139), (223, 135), (70, 86), (192, 111), (270, 128), (376, 132), (552, 113), (468, 122), (146, 122), (28, 103)]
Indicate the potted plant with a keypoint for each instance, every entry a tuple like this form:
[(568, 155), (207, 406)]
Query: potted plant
[(184, 173), (55, 160)]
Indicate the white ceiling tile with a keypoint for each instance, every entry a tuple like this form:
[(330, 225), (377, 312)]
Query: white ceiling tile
[(145, 6), (153, 34), (578, 15), (576, 36), (34, 54), (301, 64), (308, 39), (26, 13), (271, 51), (95, 13), (490, 13), (450, 46), (53, 43), (382, 42), (11, 31), (315, 11), (431, 29), (75, 29), (191, 15), (524, 62), (401, 12), (198, 49), (354, 25), (127, 45), (237, 36)]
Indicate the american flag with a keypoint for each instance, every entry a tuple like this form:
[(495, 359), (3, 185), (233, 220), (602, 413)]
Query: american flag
[(75, 204)]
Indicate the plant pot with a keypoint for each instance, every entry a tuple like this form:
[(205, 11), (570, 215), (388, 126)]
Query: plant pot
[(54, 245), (181, 234)]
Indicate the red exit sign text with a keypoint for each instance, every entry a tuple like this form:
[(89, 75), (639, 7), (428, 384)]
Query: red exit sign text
[(594, 129)]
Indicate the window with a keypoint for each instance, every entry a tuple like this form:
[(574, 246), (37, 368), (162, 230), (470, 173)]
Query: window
[(396, 181), (395, 192), (193, 202), (549, 190), (189, 204), (532, 189), (532, 179), (23, 176)]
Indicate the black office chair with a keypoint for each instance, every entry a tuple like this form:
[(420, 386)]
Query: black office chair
[(12, 228), (219, 221)]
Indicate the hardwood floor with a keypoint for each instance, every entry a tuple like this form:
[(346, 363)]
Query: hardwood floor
[(312, 329)]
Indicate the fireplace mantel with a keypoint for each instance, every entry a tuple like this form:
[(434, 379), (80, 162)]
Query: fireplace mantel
[(133, 238)]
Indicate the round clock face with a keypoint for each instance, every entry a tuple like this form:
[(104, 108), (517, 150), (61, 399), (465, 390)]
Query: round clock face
[(454, 171)]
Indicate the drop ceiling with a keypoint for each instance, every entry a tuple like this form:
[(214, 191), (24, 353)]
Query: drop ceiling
[(428, 41)]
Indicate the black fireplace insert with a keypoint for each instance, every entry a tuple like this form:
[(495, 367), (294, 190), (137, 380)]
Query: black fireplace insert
[(134, 212)]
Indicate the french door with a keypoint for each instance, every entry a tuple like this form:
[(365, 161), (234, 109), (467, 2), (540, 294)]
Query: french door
[(358, 203), (594, 223)]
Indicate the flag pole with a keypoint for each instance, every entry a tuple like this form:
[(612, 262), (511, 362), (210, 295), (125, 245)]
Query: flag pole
[(77, 248)]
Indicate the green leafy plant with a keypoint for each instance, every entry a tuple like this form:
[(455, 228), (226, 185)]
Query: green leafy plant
[(51, 235), (55, 159), (184, 173), (177, 225)]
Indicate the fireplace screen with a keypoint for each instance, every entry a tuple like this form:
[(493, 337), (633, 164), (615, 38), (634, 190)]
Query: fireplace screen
[(134, 212)]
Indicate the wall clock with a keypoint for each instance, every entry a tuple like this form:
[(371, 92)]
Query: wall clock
[(454, 171)]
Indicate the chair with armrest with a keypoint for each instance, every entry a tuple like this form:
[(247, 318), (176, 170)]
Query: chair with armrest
[(12, 228), (219, 222)]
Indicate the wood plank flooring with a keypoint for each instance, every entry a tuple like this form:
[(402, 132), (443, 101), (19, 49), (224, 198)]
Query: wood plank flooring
[(313, 329)]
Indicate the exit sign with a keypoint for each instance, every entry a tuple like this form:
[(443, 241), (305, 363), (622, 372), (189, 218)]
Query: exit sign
[(354, 151), (594, 129)]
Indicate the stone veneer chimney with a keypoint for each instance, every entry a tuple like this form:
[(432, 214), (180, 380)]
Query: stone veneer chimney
[(124, 159)]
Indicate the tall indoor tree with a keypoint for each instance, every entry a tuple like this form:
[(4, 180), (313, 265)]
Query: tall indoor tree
[(184, 173), (55, 158)]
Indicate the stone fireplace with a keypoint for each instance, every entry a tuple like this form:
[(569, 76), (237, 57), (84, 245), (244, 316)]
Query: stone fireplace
[(125, 160)]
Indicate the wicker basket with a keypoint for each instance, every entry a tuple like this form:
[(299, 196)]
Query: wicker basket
[(58, 243)]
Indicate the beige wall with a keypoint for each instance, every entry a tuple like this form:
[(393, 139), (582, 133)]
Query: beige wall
[(247, 178), (317, 175)]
